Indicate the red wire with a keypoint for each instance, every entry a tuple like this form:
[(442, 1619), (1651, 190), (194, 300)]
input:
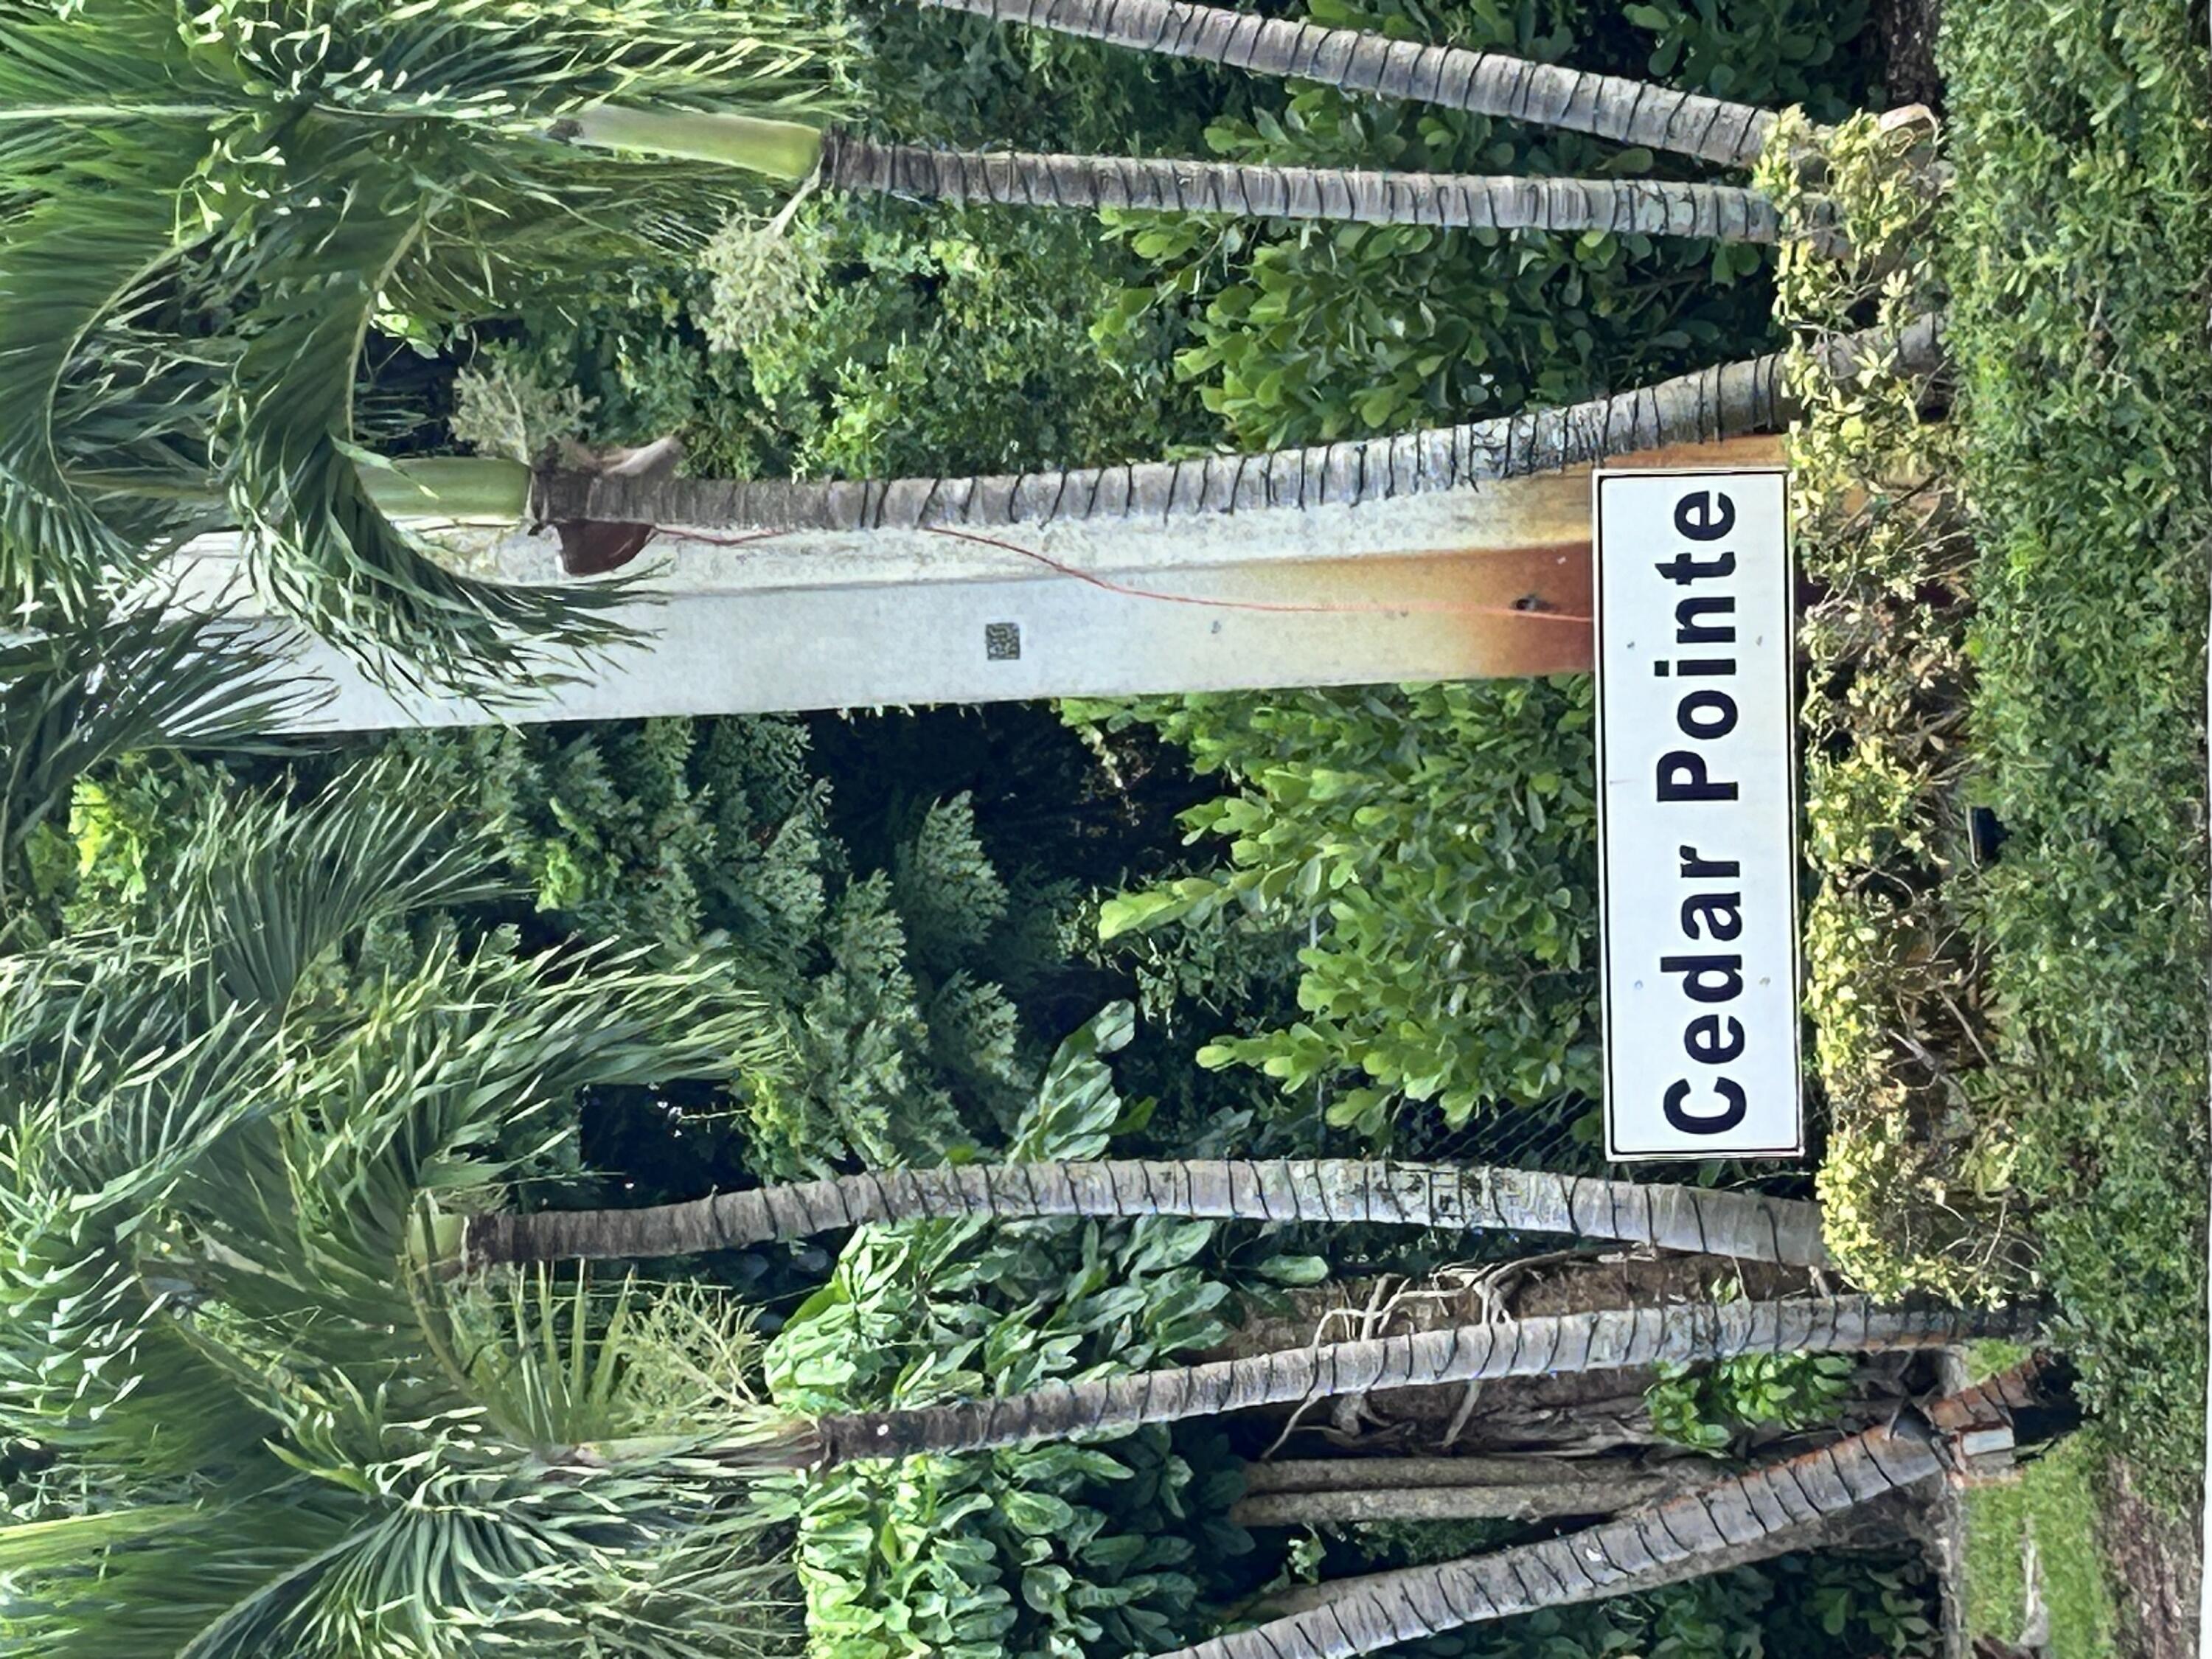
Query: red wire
[(1426, 606)]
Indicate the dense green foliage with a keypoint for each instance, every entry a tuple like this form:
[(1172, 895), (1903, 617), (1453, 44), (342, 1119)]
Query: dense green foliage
[(899, 338), (1706, 1407), (1036, 1551), (1304, 332), (1443, 838), (2078, 266), (238, 1418), (714, 836)]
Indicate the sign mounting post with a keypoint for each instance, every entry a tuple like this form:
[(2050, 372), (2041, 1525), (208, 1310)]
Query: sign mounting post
[(1695, 597)]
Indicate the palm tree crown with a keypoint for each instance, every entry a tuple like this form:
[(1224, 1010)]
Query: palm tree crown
[(211, 202)]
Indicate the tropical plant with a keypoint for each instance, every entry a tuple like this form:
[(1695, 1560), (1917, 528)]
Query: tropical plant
[(219, 202), (1706, 1407), (214, 204), (890, 966), (252, 1430), (1437, 841), (78, 692), (1041, 1552)]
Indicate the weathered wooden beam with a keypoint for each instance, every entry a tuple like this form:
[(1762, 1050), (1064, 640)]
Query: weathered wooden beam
[(1470, 584)]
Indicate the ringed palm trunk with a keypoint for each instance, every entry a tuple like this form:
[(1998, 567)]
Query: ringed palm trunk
[(1680, 1538), (1493, 84), (1618, 1340), (1453, 200), (1877, 1525), (1336, 1491), (848, 161), (1727, 401), (1477, 1198)]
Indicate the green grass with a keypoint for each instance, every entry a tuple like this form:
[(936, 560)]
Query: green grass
[(2081, 240), (2056, 1499)]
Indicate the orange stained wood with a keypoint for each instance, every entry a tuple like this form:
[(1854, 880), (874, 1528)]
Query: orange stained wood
[(1492, 613), (1545, 576)]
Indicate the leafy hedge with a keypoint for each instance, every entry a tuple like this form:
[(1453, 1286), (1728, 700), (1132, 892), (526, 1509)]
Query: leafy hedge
[(1441, 841), (2013, 1051), (2080, 264), (1914, 1179)]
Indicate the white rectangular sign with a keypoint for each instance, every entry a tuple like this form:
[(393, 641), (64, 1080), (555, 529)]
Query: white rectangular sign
[(1698, 814)]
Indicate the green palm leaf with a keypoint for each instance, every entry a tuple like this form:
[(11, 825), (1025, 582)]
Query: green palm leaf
[(203, 205), (74, 693)]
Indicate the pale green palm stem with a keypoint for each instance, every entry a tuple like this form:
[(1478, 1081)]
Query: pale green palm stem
[(843, 161)]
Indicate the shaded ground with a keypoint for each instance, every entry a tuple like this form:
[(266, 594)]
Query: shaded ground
[(2155, 1562)]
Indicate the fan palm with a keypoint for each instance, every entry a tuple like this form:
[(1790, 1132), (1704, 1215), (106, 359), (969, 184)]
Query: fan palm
[(211, 202), (76, 691)]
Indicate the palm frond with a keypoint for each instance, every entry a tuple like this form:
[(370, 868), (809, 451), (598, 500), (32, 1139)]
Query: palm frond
[(319, 547), (74, 694), (265, 888), (65, 1541), (61, 272), (204, 203)]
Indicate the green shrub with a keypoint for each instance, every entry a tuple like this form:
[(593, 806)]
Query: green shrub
[(2080, 264), (1914, 1182), (1705, 1408), (714, 836), (1037, 1552), (1439, 843), (1306, 332)]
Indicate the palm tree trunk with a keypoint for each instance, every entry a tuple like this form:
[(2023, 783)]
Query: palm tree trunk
[(1092, 182), (1685, 1536), (1355, 60), (1488, 1199), (1336, 1491), (458, 488), (1456, 201), (1593, 1491), (1618, 1339), (1875, 1525), (848, 161), (1727, 401)]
